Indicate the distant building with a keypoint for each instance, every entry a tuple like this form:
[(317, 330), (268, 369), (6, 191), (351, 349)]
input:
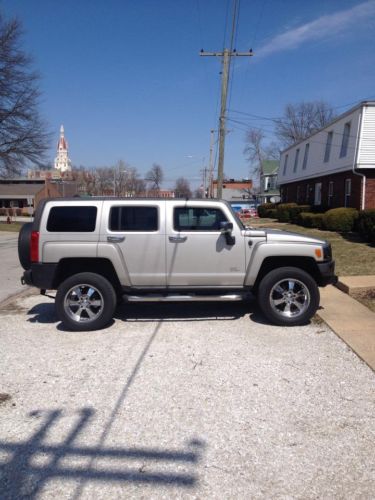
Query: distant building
[(44, 174), (335, 166), (268, 182), (26, 193), (235, 190), (62, 160)]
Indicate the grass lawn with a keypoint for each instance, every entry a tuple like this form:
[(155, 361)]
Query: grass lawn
[(14, 227), (353, 256)]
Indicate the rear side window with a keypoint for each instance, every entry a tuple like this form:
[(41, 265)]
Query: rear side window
[(78, 219), (198, 219), (133, 219)]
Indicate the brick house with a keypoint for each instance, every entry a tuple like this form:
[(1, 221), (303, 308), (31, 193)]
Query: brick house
[(335, 166)]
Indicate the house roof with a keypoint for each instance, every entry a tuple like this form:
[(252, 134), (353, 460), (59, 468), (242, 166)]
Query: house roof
[(19, 189), (270, 167)]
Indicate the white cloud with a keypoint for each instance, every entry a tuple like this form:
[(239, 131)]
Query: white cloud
[(316, 30)]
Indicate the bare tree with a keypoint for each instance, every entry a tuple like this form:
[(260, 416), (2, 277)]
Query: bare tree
[(198, 193), (257, 151), (134, 184), (23, 135), (155, 177), (103, 181), (301, 120), (182, 188)]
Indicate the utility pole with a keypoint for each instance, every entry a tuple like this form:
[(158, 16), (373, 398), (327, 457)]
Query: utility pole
[(226, 57), (211, 165)]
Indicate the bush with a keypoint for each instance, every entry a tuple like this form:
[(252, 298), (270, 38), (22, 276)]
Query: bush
[(272, 213), (283, 210), (263, 210), (295, 211), (366, 224), (340, 219), (309, 219)]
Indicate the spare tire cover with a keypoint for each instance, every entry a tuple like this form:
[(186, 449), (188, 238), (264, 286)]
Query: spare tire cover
[(24, 239)]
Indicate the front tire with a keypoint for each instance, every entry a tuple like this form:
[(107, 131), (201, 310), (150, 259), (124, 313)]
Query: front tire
[(85, 301), (288, 296)]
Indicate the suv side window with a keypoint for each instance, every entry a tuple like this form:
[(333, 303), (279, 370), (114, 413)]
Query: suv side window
[(198, 219), (133, 218), (72, 219)]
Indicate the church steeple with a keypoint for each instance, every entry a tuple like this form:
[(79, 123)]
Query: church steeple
[(62, 161)]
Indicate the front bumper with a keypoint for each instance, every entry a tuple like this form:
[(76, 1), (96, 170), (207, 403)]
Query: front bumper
[(40, 275), (327, 273)]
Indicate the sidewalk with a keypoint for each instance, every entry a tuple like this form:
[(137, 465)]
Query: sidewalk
[(350, 320)]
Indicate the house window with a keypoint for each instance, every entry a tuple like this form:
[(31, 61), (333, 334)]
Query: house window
[(318, 193), (285, 164), (298, 193), (348, 191), (330, 193), (272, 182), (328, 147), (345, 140), (308, 193), (305, 157), (296, 161)]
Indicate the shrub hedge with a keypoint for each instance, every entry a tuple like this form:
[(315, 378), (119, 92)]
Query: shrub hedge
[(365, 224), (340, 219), (283, 211), (310, 219), (288, 212), (265, 210)]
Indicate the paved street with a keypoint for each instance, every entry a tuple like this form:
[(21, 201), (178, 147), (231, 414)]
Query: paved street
[(10, 267), (181, 401)]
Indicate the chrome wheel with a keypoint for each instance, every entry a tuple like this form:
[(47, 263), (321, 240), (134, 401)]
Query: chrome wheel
[(289, 298), (83, 303)]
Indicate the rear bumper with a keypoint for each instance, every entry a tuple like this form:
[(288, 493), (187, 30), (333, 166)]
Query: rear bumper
[(40, 275), (327, 273)]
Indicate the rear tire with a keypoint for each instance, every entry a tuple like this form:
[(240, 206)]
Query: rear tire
[(288, 296), (85, 302)]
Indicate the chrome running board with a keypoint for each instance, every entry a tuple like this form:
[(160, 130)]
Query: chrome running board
[(184, 298)]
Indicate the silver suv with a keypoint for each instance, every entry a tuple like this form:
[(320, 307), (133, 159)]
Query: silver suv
[(97, 251)]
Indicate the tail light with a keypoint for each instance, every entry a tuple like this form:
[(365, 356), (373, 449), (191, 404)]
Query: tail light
[(34, 246)]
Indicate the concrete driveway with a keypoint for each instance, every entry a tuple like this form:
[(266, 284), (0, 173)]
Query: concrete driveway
[(181, 401), (11, 270)]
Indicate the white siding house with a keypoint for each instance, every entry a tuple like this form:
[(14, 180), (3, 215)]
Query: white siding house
[(323, 168)]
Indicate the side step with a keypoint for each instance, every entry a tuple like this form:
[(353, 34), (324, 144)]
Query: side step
[(184, 298)]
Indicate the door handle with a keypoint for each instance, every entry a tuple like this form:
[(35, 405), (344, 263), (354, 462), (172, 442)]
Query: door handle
[(115, 239), (177, 239)]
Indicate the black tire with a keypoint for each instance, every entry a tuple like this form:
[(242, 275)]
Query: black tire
[(85, 302), (288, 296), (24, 240)]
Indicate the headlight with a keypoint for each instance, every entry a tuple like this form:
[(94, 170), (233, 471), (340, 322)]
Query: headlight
[(327, 251)]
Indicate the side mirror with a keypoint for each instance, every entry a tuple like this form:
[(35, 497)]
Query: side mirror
[(226, 229)]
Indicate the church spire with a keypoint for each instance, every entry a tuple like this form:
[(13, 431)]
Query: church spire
[(62, 161)]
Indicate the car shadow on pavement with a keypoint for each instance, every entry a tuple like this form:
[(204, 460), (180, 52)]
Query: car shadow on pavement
[(166, 311), (27, 466), (183, 311)]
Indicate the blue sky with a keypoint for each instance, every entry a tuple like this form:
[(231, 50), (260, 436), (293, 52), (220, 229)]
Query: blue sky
[(126, 80)]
